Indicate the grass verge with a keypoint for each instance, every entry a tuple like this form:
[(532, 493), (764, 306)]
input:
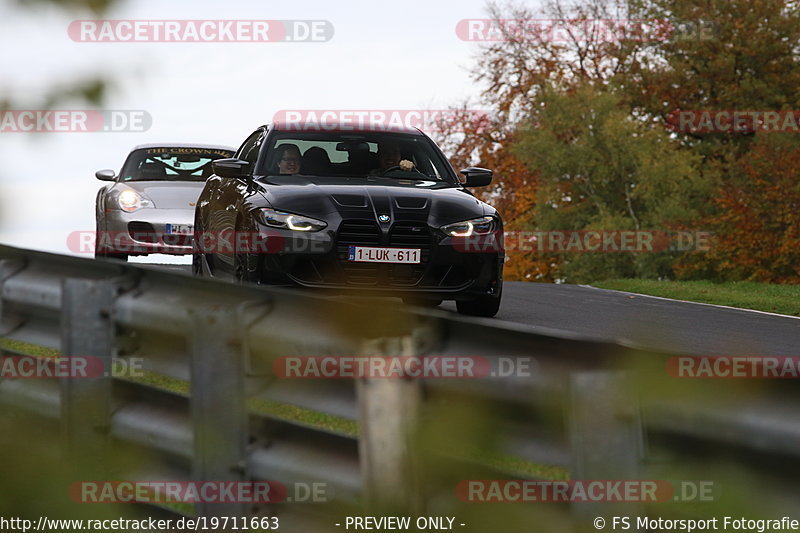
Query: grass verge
[(783, 299)]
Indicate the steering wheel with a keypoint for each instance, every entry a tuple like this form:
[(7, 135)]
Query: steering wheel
[(398, 167)]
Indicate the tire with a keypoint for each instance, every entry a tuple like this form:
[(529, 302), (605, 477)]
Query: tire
[(197, 268), (106, 254), (247, 268), (486, 305), (421, 302), (197, 258), (198, 254), (109, 255)]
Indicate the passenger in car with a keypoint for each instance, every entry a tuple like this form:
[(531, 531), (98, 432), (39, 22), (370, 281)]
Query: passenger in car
[(360, 160), (288, 159), (152, 170), (315, 162)]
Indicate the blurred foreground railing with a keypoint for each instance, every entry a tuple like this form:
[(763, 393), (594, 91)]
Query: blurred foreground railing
[(586, 410)]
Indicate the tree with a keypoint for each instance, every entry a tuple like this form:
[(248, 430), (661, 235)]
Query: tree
[(757, 225), (601, 169), (515, 71), (696, 55)]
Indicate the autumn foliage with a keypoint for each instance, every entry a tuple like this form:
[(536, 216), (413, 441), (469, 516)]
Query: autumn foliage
[(757, 225), (579, 136)]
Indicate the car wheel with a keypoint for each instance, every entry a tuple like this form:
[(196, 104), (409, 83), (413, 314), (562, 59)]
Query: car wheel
[(197, 258), (110, 255), (199, 255), (105, 253), (197, 268), (247, 268), (422, 302), (486, 305)]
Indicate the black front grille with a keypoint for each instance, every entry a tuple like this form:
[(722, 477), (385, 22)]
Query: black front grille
[(361, 232), (367, 233), (410, 235), (358, 233)]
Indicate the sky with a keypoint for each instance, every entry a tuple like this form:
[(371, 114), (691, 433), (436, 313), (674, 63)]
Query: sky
[(382, 56)]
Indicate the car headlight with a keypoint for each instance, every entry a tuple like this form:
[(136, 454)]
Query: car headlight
[(130, 200), (281, 219), (468, 228)]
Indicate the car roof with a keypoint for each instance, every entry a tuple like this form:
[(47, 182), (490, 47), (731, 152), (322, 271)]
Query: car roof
[(183, 145), (347, 127)]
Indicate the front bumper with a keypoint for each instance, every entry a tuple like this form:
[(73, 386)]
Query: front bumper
[(145, 232), (320, 260)]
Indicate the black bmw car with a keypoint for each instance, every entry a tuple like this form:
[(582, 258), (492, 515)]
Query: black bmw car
[(355, 210)]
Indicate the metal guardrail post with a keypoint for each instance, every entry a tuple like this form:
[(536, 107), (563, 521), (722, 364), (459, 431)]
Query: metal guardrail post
[(8, 267), (388, 413), (218, 410), (87, 331), (605, 434)]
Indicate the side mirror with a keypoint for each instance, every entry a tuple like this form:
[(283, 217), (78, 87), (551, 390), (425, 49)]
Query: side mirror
[(230, 168), (477, 177), (105, 175)]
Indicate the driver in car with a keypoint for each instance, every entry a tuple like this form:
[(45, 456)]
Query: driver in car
[(389, 157)]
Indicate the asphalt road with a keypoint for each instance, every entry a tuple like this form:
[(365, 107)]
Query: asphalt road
[(642, 320), (648, 321)]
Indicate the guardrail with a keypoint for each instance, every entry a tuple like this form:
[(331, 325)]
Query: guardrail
[(589, 410)]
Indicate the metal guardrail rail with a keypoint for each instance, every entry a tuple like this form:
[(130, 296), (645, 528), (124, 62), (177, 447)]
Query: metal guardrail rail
[(583, 409)]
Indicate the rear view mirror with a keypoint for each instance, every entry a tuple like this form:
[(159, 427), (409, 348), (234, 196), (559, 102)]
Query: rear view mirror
[(230, 168), (105, 175), (477, 177)]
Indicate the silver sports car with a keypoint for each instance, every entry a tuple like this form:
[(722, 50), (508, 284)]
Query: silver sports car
[(149, 207)]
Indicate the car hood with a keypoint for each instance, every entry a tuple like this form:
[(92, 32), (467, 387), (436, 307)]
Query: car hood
[(168, 194), (437, 202)]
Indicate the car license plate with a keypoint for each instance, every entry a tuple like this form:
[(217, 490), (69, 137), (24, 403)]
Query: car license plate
[(367, 254), (180, 229)]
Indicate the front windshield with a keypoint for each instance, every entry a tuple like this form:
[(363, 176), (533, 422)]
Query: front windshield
[(344, 154), (171, 164)]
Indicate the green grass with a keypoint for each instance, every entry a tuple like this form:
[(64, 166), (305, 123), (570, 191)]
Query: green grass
[(27, 349), (783, 299), (510, 465), (278, 410)]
